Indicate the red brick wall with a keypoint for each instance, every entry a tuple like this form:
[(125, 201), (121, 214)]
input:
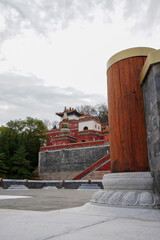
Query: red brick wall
[(89, 135), (73, 145)]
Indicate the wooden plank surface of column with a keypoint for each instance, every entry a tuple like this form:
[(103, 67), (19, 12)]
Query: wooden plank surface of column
[(126, 116)]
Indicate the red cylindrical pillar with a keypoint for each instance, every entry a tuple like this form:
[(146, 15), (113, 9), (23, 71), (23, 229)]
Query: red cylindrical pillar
[(126, 114)]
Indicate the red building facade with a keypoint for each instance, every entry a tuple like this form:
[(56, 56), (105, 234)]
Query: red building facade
[(76, 129), (80, 142)]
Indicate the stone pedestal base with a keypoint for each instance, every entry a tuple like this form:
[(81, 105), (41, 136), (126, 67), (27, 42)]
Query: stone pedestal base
[(127, 189)]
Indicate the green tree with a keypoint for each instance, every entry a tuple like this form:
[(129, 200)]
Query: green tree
[(20, 165), (31, 134), (99, 111), (3, 167), (8, 144), (102, 113), (51, 125), (21, 138), (87, 109)]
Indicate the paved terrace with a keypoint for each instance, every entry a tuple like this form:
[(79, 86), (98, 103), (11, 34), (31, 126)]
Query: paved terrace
[(59, 214), (44, 200)]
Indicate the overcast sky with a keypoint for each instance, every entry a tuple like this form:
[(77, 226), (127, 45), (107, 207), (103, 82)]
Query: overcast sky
[(53, 53)]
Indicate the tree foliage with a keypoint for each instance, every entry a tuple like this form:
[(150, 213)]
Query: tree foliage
[(20, 141), (20, 165), (3, 167), (51, 125), (99, 111)]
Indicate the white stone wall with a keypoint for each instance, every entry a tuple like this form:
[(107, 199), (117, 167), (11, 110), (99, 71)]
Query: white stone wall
[(91, 124)]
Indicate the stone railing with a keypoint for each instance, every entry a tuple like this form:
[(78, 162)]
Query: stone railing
[(39, 184)]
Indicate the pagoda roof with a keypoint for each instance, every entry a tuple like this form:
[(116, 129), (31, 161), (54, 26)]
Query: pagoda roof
[(70, 112)]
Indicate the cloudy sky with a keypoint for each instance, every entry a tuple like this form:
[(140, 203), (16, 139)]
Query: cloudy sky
[(53, 53)]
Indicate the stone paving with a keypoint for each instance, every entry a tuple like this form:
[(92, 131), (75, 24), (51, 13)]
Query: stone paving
[(45, 199), (35, 218)]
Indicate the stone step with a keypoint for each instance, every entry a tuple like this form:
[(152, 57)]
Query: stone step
[(17, 187), (88, 186)]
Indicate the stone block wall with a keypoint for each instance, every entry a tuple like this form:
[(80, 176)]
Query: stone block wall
[(67, 163), (151, 97)]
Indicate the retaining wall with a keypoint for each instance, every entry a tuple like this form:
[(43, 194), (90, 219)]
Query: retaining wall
[(67, 163)]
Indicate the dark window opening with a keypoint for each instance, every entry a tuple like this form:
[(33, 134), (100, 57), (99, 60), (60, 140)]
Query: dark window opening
[(85, 128)]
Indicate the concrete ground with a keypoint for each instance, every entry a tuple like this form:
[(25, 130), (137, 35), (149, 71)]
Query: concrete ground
[(45, 200), (36, 218)]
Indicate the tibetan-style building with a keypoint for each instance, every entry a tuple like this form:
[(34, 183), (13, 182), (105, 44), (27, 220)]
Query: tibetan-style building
[(78, 143)]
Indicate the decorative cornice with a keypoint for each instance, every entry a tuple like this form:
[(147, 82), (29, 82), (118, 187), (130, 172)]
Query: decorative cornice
[(152, 58), (65, 137), (131, 52), (90, 133)]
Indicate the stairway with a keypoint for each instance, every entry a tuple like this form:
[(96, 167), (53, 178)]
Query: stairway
[(103, 164)]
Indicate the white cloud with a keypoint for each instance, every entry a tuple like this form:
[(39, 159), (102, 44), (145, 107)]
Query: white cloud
[(47, 15), (56, 50), (22, 96)]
